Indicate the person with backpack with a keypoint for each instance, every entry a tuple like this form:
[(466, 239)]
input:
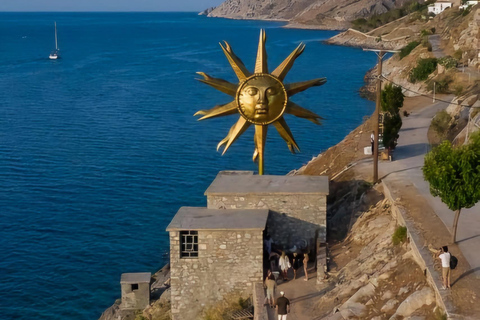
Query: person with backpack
[(445, 256)]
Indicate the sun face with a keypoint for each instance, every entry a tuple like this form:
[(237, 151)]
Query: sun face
[(260, 99)]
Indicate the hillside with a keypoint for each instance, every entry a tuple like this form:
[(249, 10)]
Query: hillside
[(320, 14)]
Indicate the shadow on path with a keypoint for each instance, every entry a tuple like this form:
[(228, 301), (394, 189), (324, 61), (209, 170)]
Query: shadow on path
[(411, 150), (465, 274)]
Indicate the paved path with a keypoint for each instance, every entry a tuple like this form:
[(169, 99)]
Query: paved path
[(408, 161), (303, 295)]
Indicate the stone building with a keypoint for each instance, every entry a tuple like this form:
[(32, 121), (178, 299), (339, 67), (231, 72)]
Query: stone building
[(213, 252), (219, 249), (135, 290), (297, 204)]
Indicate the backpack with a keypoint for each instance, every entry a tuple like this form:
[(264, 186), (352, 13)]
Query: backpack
[(453, 262)]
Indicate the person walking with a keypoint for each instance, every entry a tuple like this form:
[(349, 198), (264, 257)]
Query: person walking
[(271, 286), (445, 256), (296, 264), (372, 140), (284, 263), (305, 265), (283, 306)]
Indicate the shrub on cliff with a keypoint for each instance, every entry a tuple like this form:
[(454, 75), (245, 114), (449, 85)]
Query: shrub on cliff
[(454, 175), (405, 51), (441, 123), (399, 236), (440, 84), (448, 62), (423, 69)]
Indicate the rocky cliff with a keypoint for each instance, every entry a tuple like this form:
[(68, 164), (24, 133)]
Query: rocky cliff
[(321, 14)]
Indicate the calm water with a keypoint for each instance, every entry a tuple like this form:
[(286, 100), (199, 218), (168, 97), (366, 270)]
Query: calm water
[(98, 150)]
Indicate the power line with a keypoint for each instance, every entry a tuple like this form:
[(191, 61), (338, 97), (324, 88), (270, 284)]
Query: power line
[(422, 94)]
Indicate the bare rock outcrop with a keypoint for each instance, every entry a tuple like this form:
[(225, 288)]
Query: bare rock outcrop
[(380, 280), (321, 14)]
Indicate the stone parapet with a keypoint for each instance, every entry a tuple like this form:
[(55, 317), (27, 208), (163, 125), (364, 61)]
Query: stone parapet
[(258, 297), (422, 256)]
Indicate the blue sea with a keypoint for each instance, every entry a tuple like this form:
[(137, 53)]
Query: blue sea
[(98, 150)]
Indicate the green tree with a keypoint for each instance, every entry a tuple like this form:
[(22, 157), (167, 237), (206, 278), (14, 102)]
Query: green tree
[(391, 101), (454, 175)]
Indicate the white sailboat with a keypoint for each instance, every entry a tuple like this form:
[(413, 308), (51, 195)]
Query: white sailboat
[(55, 54)]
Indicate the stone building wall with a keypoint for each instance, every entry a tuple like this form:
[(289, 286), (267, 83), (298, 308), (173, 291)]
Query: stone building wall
[(228, 261), (292, 219)]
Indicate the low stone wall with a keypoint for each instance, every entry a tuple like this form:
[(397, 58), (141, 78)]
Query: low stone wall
[(258, 297), (321, 263), (422, 256), (228, 261)]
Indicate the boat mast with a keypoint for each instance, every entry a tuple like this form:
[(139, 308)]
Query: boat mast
[(56, 44)]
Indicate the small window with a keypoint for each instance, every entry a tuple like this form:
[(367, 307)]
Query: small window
[(188, 244), (134, 286)]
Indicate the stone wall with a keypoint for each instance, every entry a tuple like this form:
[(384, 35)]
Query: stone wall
[(228, 261), (292, 219)]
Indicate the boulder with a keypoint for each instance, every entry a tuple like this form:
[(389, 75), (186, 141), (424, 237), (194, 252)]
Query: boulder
[(389, 306), (387, 295), (414, 302), (353, 310)]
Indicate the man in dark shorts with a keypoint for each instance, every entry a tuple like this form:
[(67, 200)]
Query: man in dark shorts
[(283, 306)]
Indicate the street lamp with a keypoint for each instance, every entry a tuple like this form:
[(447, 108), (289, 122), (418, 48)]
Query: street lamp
[(380, 54)]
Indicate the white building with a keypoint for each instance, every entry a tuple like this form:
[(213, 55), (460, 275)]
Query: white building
[(439, 6), (468, 4)]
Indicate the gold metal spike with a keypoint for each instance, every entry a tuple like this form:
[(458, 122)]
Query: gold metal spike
[(218, 111), (261, 63), (286, 134), (255, 153), (237, 64), (236, 131), (294, 88), (281, 71), (260, 138), (219, 84), (296, 110)]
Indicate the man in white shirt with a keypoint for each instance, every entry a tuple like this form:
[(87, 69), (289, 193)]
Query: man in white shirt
[(445, 258)]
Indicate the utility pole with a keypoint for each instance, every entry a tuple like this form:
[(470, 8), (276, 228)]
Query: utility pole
[(434, 83), (380, 54)]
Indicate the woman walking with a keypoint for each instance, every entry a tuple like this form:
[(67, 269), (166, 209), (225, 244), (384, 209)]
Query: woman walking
[(296, 264), (284, 263), (305, 265)]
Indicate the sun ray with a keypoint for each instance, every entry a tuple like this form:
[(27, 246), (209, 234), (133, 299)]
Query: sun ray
[(296, 87), (296, 110), (281, 71), (219, 84), (260, 138), (218, 111), (261, 63), (236, 131), (286, 134), (237, 64)]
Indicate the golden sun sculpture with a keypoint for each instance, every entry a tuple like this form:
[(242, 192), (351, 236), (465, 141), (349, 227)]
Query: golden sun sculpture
[(261, 99)]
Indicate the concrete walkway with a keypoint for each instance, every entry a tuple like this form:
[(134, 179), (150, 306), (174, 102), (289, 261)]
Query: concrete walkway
[(407, 166)]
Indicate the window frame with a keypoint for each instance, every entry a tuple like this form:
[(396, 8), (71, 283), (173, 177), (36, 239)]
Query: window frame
[(188, 244)]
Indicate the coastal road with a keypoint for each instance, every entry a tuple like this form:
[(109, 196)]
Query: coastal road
[(407, 166)]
